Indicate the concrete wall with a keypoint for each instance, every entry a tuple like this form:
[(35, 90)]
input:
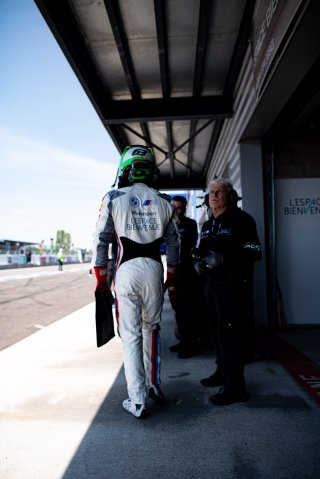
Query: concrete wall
[(252, 203)]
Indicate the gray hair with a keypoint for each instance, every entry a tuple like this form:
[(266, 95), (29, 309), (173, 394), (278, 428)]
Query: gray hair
[(220, 180)]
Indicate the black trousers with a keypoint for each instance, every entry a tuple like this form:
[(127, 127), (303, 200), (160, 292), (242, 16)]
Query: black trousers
[(189, 306), (226, 307)]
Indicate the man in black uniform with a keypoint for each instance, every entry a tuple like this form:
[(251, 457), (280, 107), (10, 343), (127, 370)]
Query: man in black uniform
[(228, 248), (187, 284)]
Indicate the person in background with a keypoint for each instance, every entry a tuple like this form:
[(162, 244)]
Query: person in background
[(60, 258), (28, 255), (186, 302), (228, 249), (140, 218)]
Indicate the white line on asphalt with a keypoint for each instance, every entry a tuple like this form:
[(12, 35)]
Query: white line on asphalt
[(37, 275)]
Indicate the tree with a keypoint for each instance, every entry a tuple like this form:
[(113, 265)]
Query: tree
[(63, 240)]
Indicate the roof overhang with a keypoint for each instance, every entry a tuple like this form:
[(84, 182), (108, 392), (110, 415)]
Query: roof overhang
[(158, 72)]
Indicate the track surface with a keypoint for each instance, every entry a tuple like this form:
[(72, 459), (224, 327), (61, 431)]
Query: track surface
[(32, 298)]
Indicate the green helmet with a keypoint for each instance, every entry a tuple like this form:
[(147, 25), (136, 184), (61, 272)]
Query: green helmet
[(140, 161)]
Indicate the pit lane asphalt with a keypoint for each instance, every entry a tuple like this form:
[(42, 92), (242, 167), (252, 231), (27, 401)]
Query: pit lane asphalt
[(61, 414), (34, 297)]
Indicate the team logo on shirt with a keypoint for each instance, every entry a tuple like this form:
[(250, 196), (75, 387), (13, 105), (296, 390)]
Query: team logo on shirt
[(134, 201), (148, 202), (224, 232)]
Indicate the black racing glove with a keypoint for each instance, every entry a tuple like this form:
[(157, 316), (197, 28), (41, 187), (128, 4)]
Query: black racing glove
[(200, 268), (213, 260)]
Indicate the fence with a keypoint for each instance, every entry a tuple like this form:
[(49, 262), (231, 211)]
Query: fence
[(19, 260)]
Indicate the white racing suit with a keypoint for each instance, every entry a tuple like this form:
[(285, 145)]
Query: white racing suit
[(140, 217)]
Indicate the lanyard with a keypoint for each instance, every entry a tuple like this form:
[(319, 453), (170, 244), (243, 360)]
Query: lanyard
[(213, 226)]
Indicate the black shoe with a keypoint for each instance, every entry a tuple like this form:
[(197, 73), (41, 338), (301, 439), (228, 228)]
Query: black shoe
[(250, 358), (175, 348), (226, 396), (156, 394), (216, 379)]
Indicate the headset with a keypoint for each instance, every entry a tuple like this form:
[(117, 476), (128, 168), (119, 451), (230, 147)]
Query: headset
[(233, 197)]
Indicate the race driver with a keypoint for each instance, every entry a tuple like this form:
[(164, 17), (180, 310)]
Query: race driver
[(141, 218)]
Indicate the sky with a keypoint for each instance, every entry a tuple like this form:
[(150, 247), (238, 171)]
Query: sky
[(56, 159)]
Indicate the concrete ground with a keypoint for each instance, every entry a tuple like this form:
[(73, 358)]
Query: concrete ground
[(61, 415)]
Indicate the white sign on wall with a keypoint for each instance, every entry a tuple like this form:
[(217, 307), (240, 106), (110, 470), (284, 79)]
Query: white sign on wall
[(298, 248)]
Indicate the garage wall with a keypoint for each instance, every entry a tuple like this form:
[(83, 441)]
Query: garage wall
[(226, 160)]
